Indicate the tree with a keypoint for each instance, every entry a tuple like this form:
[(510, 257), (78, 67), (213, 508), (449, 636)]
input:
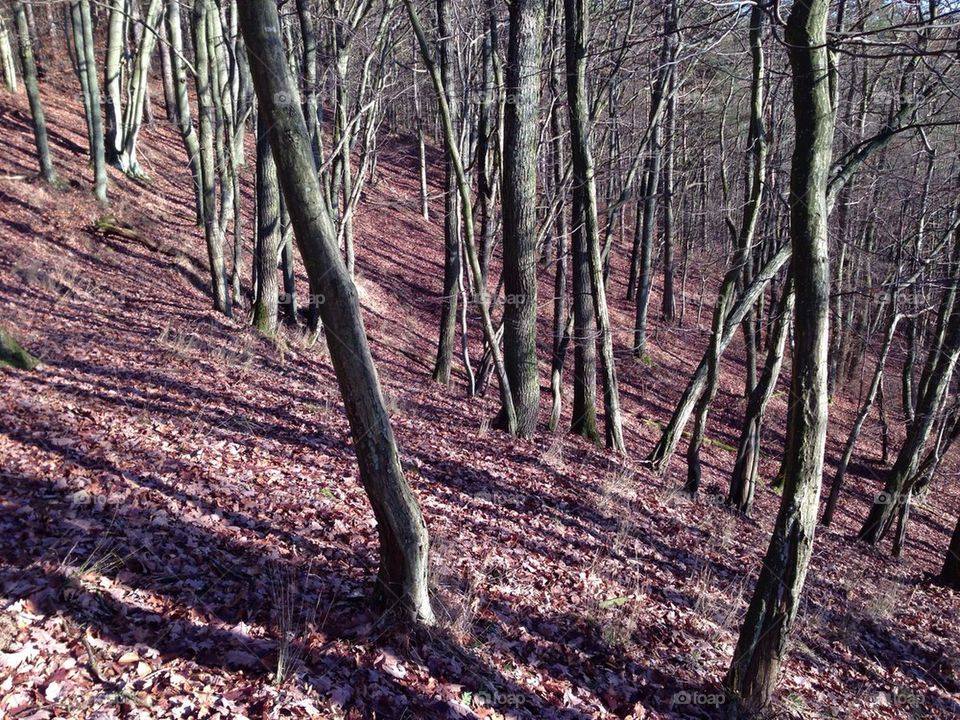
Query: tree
[(950, 574), (87, 71), (451, 207), (202, 10), (519, 193), (268, 235), (29, 69), (402, 577), (587, 261), (762, 644)]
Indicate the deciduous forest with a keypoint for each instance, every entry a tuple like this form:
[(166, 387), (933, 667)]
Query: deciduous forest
[(410, 359)]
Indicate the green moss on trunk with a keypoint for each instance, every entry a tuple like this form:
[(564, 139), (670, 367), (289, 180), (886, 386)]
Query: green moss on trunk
[(13, 354)]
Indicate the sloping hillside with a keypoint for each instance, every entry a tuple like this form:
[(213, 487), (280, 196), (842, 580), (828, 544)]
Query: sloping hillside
[(183, 535)]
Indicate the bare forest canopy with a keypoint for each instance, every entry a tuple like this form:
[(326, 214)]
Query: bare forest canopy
[(709, 250)]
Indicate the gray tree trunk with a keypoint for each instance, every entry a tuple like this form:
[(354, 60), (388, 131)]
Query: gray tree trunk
[(519, 193), (402, 577), (762, 645), (451, 217), (184, 122), (29, 69), (743, 481), (208, 165), (865, 407), (268, 233), (586, 234)]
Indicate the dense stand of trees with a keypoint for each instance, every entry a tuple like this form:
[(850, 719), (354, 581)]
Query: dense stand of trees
[(804, 153)]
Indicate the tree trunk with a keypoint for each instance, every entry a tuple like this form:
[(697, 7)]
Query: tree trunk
[(746, 468), (208, 166), (757, 145), (7, 63), (659, 457), (519, 193), (896, 490), (87, 69), (950, 574), (29, 68), (451, 215), (184, 122), (268, 233), (868, 401), (139, 85), (762, 644), (577, 27), (466, 205), (116, 41), (402, 577)]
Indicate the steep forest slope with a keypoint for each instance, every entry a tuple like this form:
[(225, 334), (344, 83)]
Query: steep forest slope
[(182, 533)]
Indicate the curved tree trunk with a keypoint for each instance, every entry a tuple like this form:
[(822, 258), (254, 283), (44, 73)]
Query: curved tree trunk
[(402, 577)]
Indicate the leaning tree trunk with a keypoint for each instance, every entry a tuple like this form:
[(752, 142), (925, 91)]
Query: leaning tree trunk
[(746, 469), (854, 435), (897, 490), (762, 644), (659, 457), (757, 144), (577, 29), (519, 193), (402, 577), (29, 68), (184, 122)]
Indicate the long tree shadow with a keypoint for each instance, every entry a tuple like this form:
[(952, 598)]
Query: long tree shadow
[(209, 600)]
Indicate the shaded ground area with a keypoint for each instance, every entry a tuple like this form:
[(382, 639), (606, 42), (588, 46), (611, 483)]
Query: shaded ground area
[(182, 530)]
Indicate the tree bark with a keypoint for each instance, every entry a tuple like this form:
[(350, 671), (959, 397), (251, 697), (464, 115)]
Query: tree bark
[(762, 644), (950, 574), (268, 233), (29, 68), (854, 435), (519, 193), (586, 234), (208, 166), (451, 214), (402, 577), (746, 468)]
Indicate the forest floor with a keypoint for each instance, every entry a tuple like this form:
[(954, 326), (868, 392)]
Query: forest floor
[(183, 534)]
